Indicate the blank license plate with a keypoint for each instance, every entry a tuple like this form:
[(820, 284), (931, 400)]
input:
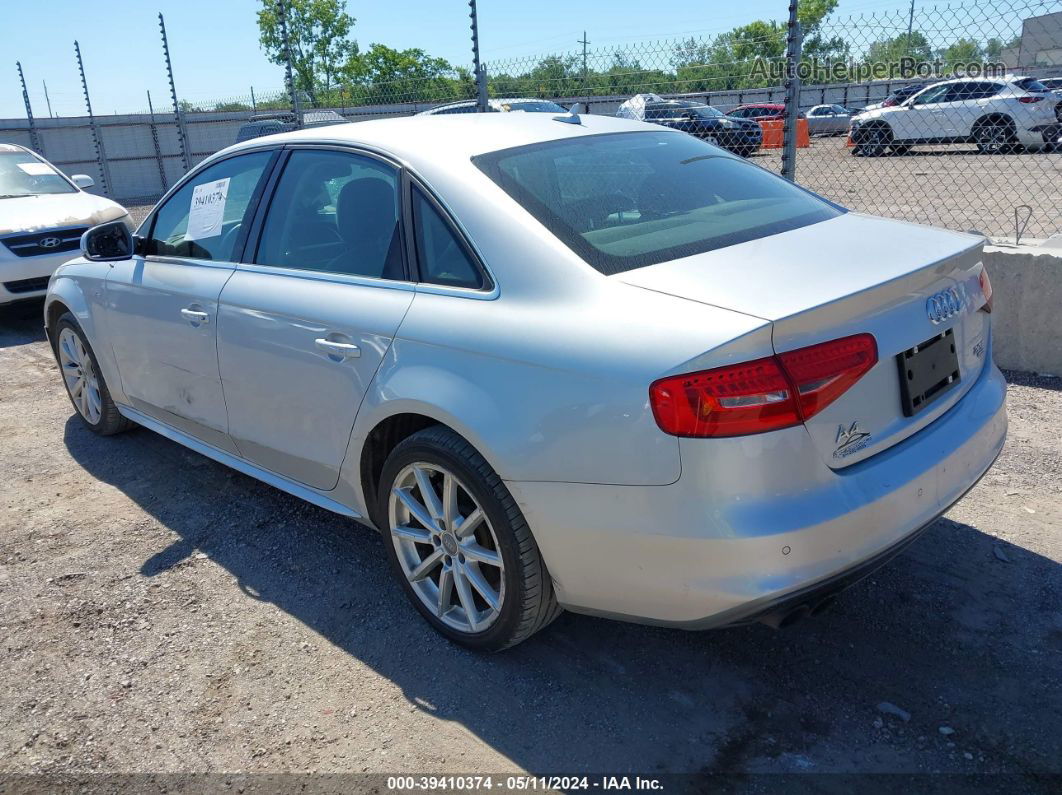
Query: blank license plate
[(928, 371)]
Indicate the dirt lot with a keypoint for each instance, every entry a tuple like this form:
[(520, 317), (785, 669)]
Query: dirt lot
[(951, 186), (160, 612)]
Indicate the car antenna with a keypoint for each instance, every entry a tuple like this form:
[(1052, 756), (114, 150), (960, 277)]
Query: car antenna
[(573, 115)]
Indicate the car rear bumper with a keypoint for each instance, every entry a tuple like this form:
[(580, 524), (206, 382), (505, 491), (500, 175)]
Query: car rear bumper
[(27, 277), (756, 524)]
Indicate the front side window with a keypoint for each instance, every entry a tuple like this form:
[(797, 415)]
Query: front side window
[(203, 219), (443, 259), (627, 200), (336, 212), (23, 174), (930, 95)]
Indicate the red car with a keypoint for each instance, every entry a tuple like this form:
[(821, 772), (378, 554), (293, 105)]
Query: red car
[(760, 111)]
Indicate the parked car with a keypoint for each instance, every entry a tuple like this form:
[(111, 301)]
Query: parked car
[(283, 121), (828, 120), (998, 114), (526, 104), (762, 111), (43, 214), (601, 366), (897, 96), (740, 136), (1051, 83)]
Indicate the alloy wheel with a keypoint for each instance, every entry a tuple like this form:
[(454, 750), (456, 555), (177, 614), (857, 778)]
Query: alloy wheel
[(80, 377), (994, 137), (446, 547)]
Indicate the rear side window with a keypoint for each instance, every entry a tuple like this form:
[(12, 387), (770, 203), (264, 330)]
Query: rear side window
[(336, 212), (626, 200), (443, 259), (203, 219)]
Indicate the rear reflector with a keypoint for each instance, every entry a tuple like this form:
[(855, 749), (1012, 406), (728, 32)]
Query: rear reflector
[(1029, 100), (762, 395)]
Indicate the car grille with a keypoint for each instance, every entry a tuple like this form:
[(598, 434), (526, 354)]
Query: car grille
[(27, 285), (31, 245)]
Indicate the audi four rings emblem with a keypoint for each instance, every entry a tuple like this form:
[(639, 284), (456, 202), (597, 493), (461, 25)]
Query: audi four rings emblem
[(943, 305)]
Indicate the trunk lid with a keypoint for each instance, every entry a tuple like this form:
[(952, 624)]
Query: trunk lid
[(850, 275)]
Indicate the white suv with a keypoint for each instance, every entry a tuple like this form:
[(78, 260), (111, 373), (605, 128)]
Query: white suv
[(998, 114), (43, 214)]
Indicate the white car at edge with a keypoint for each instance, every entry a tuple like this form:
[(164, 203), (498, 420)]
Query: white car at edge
[(43, 214), (999, 114)]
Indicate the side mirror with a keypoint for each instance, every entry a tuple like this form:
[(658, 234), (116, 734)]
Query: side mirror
[(83, 181), (106, 242)]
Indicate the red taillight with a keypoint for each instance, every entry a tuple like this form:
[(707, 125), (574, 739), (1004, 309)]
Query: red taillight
[(986, 289), (762, 395), (1029, 100)]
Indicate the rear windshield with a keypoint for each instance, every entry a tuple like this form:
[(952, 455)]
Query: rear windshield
[(1030, 84), (626, 200)]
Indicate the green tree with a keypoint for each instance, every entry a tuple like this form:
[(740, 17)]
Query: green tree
[(319, 38), (384, 74), (961, 52)]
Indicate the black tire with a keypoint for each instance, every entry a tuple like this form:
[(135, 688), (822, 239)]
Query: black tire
[(873, 140), (995, 136), (110, 421), (529, 603)]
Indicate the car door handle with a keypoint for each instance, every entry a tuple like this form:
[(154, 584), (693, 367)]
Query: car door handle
[(195, 316), (345, 350)]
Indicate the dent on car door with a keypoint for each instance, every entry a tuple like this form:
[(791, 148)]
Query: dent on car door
[(162, 305), (305, 321)]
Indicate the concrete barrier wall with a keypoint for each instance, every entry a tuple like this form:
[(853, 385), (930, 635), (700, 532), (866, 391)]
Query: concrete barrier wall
[(1026, 307)]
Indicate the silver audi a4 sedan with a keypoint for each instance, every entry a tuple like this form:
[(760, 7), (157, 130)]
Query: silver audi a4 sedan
[(558, 362)]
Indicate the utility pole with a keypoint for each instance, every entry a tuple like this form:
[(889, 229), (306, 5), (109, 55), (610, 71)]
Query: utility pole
[(47, 100), (254, 105), (586, 88), (481, 72), (910, 26), (36, 141)]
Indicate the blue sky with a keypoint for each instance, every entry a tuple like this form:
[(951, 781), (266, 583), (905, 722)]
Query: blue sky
[(214, 43)]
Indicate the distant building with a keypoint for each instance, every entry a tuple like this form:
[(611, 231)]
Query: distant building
[(1040, 43)]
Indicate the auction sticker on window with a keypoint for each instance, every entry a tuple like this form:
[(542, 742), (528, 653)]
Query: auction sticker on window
[(37, 169), (208, 209)]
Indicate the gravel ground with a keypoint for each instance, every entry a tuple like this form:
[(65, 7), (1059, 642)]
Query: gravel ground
[(951, 186), (160, 612)]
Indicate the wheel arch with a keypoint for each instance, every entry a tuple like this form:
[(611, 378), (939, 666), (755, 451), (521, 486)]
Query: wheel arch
[(992, 116)]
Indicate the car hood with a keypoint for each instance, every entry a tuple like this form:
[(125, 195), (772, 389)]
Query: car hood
[(53, 210)]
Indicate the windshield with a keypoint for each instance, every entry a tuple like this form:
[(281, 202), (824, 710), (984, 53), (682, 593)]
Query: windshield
[(626, 200), (22, 174), (706, 111)]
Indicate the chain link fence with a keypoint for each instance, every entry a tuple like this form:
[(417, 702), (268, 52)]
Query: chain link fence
[(978, 152)]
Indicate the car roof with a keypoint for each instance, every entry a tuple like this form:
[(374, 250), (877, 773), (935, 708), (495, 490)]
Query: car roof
[(762, 105), (416, 139)]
